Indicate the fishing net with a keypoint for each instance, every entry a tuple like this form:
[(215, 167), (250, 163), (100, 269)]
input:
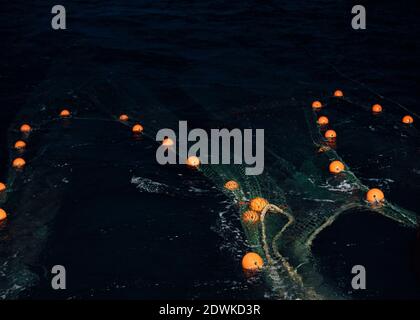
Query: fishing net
[(304, 197)]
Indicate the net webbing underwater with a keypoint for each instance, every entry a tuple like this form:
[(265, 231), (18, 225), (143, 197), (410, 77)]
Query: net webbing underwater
[(304, 197)]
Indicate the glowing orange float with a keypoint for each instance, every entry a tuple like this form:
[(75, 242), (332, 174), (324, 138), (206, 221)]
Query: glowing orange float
[(168, 142), (3, 215), (322, 121), (250, 216), (258, 204), (252, 261), (2, 187), (376, 108), (336, 166), (231, 185), (338, 93), (375, 195), (316, 104), (65, 113), (18, 163), (330, 134), (137, 128), (193, 162), (123, 117), (19, 145), (25, 128), (408, 119)]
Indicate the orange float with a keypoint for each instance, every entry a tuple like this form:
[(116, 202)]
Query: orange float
[(330, 134), (408, 119), (137, 128), (231, 185), (336, 166), (25, 128), (168, 142), (316, 105), (258, 204), (376, 108), (252, 261), (338, 93), (19, 145), (65, 113), (323, 121), (193, 161), (2, 187), (250, 216), (123, 117), (18, 163), (375, 195), (3, 215)]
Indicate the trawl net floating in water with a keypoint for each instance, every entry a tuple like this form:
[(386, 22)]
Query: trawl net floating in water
[(304, 197)]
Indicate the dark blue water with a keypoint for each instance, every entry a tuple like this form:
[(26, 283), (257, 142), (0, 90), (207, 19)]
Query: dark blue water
[(94, 199)]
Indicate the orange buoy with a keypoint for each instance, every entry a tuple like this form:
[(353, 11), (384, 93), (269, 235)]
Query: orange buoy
[(193, 161), (336, 166), (316, 104), (376, 108), (375, 195), (231, 185), (19, 163), (25, 128), (250, 216), (19, 145), (408, 119), (65, 113), (252, 261), (168, 142), (123, 117), (2, 187), (258, 204), (3, 215), (322, 121), (137, 128), (330, 134), (338, 93)]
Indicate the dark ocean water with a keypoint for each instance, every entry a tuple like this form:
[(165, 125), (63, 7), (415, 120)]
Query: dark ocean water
[(94, 199)]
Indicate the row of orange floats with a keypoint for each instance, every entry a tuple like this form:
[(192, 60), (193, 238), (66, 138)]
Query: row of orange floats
[(251, 261), (20, 145), (375, 195)]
